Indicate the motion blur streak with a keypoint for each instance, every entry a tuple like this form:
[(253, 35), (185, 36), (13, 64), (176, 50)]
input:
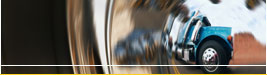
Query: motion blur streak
[(82, 38)]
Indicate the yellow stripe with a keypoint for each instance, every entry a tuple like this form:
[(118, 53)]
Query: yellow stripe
[(176, 71), (133, 74)]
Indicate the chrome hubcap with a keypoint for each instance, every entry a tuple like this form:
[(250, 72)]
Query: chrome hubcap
[(210, 57)]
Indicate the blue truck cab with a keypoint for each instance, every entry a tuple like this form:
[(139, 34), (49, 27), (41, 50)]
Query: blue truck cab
[(198, 41)]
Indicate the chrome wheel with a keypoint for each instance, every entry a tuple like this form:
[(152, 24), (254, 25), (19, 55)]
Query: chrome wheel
[(210, 57)]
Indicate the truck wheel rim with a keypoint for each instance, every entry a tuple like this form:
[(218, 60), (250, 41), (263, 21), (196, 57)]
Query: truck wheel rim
[(210, 57)]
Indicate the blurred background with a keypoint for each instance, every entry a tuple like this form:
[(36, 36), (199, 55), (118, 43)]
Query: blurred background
[(34, 32)]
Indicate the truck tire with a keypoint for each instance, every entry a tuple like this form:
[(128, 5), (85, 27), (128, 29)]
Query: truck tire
[(212, 53)]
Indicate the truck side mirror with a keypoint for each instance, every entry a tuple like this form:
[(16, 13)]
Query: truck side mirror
[(206, 21)]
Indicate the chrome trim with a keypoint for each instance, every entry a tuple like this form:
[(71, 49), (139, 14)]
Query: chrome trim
[(109, 22), (82, 38), (186, 30), (210, 57), (195, 31)]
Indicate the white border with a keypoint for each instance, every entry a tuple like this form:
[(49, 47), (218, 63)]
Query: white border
[(112, 65), (133, 65), (265, 32)]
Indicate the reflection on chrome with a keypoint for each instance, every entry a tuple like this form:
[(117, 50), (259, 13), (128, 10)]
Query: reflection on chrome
[(83, 47), (139, 47), (153, 32)]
